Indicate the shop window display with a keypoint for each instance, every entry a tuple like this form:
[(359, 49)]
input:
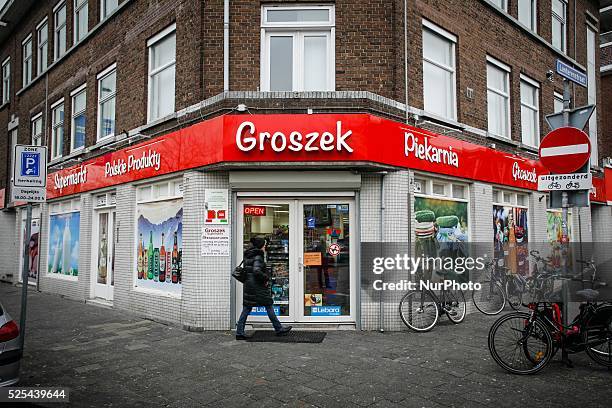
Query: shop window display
[(510, 232), (441, 229), (159, 241), (64, 225)]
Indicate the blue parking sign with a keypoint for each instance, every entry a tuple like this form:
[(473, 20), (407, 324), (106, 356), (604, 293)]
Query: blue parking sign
[(30, 164)]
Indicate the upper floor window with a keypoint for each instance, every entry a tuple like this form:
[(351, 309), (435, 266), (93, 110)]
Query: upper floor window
[(59, 29), (107, 7), (80, 19), (558, 102), (498, 97), (42, 47), (530, 111), (439, 71), (107, 88), (527, 13), (6, 80), (502, 4), (298, 50), (162, 61), (559, 16), (26, 48), (57, 129), (77, 137), (37, 130)]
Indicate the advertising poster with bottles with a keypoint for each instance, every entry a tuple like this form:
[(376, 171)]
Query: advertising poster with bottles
[(160, 246), (510, 232), (441, 228), (64, 244)]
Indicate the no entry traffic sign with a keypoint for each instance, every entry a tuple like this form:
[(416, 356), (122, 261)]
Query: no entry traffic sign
[(565, 150)]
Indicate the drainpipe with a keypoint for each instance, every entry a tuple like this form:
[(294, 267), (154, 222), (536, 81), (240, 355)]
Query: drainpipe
[(381, 308), (406, 57), (226, 9)]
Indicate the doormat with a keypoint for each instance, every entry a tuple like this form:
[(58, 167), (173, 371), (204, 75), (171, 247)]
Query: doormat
[(296, 336)]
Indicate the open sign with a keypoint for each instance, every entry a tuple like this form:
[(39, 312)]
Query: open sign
[(255, 210)]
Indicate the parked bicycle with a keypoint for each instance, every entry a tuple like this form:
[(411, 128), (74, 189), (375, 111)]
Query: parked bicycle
[(498, 288), (525, 342), (421, 309)]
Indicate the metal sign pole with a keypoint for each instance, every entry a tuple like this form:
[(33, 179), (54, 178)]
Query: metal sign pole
[(24, 276), (564, 229)]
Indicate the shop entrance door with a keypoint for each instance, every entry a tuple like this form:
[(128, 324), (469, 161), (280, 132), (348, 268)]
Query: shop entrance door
[(104, 257), (310, 256)]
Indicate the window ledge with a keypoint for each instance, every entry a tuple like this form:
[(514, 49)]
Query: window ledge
[(502, 139), (528, 148), (70, 50), (101, 143), (63, 159)]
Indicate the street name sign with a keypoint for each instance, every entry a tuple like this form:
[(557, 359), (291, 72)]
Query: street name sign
[(29, 182), (572, 74), (565, 182), (565, 150)]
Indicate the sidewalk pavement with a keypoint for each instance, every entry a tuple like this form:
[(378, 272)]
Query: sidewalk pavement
[(112, 358)]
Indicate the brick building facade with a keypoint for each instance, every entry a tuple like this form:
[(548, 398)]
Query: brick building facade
[(346, 57)]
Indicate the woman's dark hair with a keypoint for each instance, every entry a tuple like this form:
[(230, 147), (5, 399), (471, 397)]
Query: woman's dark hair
[(259, 242)]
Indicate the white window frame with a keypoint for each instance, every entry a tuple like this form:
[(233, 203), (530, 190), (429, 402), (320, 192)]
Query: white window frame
[(104, 16), (28, 61), (592, 74), (73, 95), (39, 45), (151, 73), (296, 30), (75, 21), (563, 21), (501, 193), (533, 24), (36, 136), (507, 69), (112, 68), (55, 125), (557, 97), (57, 29), (6, 80), (535, 108), (427, 25)]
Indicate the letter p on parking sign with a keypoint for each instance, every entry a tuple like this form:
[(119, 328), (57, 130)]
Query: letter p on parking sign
[(30, 164)]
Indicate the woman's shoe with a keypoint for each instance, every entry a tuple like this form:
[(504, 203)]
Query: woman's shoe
[(242, 337), (284, 330)]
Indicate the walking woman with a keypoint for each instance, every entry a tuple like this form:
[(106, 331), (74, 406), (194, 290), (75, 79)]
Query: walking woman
[(257, 288)]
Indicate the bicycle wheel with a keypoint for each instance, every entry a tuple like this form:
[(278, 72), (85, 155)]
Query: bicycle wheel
[(598, 337), (519, 346), (490, 299), (419, 310), (454, 305), (514, 295)]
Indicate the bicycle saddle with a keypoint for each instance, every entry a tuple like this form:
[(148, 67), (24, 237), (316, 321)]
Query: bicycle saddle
[(588, 294)]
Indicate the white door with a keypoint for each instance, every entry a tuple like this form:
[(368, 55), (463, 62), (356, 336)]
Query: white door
[(310, 256), (104, 255)]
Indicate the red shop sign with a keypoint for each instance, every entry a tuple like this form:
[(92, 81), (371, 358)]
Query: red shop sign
[(255, 210), (331, 138)]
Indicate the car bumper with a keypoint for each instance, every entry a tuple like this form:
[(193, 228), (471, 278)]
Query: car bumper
[(9, 367)]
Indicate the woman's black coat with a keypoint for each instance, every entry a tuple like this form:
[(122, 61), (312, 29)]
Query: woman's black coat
[(256, 288)]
